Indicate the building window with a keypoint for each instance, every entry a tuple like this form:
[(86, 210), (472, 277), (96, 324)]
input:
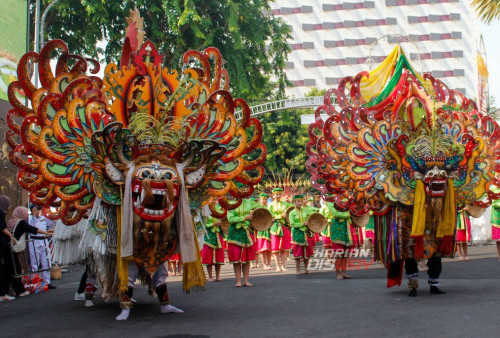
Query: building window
[(391, 3), (348, 6)]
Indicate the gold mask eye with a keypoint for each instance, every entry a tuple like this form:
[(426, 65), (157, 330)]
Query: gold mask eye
[(167, 175), (146, 173)]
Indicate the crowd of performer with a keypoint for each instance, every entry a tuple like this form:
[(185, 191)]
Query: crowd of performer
[(240, 245), (289, 236)]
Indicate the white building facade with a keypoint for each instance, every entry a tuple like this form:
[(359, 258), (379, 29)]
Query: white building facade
[(333, 39)]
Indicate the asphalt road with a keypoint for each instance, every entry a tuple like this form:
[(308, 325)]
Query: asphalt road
[(279, 304)]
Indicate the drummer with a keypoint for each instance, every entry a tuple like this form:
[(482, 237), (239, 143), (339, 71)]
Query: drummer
[(281, 236), (240, 239), (340, 236), (212, 252), (301, 236), (264, 237), (312, 208)]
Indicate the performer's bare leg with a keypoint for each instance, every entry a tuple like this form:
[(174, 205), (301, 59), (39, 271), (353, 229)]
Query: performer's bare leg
[(283, 260), (498, 249), (160, 283), (345, 261), (464, 248), (237, 273), (256, 263), (306, 264), (179, 268), (297, 266), (459, 250), (266, 259), (269, 258), (277, 260), (338, 268), (209, 270), (246, 274), (217, 272)]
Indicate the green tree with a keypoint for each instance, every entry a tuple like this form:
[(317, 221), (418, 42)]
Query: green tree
[(492, 109), (252, 42), (286, 139)]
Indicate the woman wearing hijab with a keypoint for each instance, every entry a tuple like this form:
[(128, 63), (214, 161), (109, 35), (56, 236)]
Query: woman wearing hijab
[(5, 256), (18, 225)]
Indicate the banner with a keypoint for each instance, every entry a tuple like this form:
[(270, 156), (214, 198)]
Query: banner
[(482, 80), (13, 28)]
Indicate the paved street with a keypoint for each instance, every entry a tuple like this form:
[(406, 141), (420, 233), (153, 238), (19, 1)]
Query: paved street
[(279, 304)]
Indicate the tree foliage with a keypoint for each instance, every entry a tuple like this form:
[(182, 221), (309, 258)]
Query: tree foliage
[(487, 10), (286, 139), (252, 42)]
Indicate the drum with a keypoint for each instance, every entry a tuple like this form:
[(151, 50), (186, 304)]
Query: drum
[(262, 219), (360, 221), (317, 223), (475, 211)]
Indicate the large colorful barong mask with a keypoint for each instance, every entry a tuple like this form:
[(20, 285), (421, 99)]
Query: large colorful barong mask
[(155, 189), (395, 128), (81, 136)]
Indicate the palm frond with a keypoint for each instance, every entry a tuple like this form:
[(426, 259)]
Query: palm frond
[(149, 130), (487, 10)]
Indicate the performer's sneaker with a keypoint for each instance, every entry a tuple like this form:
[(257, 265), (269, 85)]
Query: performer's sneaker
[(413, 293), (437, 291), (7, 298), (52, 286), (79, 296), (23, 294)]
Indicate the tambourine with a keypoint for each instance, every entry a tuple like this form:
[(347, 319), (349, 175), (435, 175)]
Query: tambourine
[(317, 223), (262, 219)]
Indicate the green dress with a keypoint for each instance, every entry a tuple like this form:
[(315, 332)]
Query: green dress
[(212, 238), (277, 209), (239, 228), (339, 224), (299, 230), (495, 220)]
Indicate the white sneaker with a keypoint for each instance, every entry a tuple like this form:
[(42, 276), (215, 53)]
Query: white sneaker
[(25, 293), (7, 298), (79, 296)]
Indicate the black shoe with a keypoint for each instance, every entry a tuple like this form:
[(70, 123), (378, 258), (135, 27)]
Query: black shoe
[(52, 286), (437, 291), (413, 293)]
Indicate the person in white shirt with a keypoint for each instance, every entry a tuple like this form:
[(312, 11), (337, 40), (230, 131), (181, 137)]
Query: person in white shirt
[(39, 247)]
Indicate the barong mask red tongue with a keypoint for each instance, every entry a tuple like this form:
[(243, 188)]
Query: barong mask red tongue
[(435, 182), (155, 191)]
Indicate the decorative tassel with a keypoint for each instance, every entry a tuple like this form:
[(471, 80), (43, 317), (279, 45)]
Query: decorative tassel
[(449, 220), (418, 221), (446, 229), (419, 247), (121, 264), (447, 245), (395, 273), (193, 276)]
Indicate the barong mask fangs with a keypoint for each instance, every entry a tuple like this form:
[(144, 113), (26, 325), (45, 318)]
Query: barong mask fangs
[(155, 191), (435, 182)]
